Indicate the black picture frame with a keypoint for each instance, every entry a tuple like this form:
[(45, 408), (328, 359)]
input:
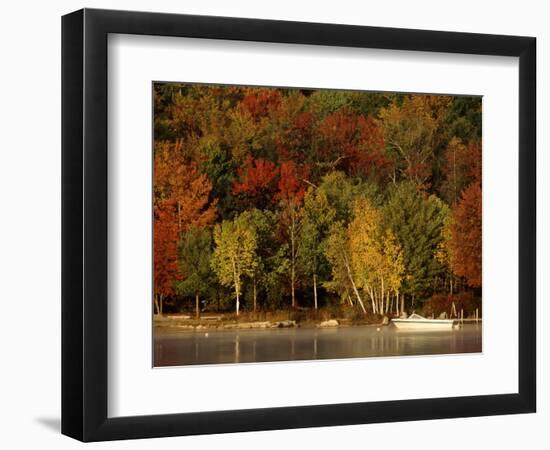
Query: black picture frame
[(84, 224)]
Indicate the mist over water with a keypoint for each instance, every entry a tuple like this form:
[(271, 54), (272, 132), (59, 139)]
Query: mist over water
[(293, 344)]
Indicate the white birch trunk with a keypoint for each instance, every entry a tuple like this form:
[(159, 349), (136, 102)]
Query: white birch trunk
[(157, 306), (237, 282), (315, 289), (350, 276), (373, 300)]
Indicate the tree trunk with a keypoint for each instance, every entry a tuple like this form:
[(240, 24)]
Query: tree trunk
[(315, 289), (382, 296), (292, 261), (179, 217), (161, 301), (237, 282), (255, 294), (402, 304), (197, 309), (454, 174), (157, 306), (353, 284), (292, 266), (373, 300), (237, 294)]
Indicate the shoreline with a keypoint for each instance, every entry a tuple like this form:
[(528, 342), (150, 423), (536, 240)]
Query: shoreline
[(181, 323), (184, 323)]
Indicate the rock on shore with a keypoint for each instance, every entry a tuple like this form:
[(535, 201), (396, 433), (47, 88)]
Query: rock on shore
[(284, 324), (329, 323)]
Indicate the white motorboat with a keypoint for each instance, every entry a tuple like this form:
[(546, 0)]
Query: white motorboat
[(416, 322)]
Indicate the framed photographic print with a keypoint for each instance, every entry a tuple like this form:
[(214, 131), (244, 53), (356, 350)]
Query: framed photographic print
[(273, 224)]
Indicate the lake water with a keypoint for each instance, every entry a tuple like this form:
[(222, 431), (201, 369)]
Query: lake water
[(292, 344)]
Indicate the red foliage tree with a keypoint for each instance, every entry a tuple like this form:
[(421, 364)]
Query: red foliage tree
[(368, 156), (462, 166), (298, 141), (338, 133), (465, 242), (261, 102), (291, 185), (165, 252), (353, 143), (257, 182)]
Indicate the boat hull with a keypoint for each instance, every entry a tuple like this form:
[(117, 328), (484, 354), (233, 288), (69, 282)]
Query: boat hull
[(423, 325)]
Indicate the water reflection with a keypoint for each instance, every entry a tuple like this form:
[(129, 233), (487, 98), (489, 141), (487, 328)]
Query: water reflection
[(219, 347)]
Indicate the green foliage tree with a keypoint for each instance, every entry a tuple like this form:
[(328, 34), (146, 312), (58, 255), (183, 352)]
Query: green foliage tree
[(317, 218), (195, 251), (262, 223), (340, 192), (418, 224)]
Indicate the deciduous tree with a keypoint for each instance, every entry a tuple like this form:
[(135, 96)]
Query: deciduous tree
[(256, 183), (317, 217), (462, 167), (338, 253), (465, 243), (262, 223), (182, 184), (377, 258), (195, 252), (291, 190), (410, 136), (165, 246), (234, 255)]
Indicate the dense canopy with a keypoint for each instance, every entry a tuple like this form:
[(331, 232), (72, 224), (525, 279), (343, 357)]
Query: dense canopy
[(268, 198)]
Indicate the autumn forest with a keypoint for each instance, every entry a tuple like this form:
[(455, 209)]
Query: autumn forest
[(268, 199)]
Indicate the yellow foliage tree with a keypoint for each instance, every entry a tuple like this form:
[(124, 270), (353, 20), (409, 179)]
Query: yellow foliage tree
[(234, 256), (376, 257)]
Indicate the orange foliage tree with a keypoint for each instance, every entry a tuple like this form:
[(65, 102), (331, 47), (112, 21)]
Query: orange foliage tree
[(465, 242), (165, 258), (461, 167), (181, 203)]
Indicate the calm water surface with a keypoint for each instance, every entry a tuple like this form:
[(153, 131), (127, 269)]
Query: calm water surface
[(291, 344)]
